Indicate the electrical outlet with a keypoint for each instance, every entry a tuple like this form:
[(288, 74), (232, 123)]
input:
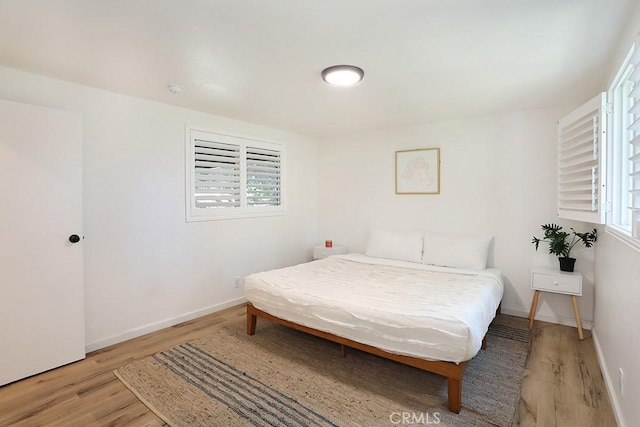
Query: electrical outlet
[(238, 282), (621, 381)]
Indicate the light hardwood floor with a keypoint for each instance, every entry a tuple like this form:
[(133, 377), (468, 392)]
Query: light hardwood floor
[(563, 385)]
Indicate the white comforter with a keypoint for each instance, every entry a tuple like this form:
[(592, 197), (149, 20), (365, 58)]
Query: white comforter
[(434, 313)]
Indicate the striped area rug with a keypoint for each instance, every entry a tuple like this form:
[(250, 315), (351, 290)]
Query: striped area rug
[(248, 397), (505, 331), (282, 377)]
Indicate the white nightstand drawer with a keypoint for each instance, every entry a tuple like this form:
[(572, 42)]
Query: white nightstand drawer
[(562, 283), (320, 252)]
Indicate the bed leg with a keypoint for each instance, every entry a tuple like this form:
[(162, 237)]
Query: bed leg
[(455, 394), (343, 352), (484, 343), (251, 322)]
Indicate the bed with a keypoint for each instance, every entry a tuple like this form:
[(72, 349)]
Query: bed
[(431, 317)]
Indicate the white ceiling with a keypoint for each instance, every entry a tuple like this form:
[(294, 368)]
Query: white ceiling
[(260, 60)]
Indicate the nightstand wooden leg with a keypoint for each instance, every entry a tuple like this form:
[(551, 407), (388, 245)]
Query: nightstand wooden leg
[(534, 305), (576, 311)]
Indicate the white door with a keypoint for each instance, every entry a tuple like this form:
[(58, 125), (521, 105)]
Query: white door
[(41, 274)]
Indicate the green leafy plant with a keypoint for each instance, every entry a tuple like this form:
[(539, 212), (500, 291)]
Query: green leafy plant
[(561, 242)]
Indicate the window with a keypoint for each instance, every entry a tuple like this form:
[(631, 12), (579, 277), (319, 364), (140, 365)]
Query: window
[(263, 176), (620, 215), (624, 152), (229, 176), (581, 160)]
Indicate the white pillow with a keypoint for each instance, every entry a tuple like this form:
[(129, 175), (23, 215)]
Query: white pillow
[(403, 246), (456, 251)]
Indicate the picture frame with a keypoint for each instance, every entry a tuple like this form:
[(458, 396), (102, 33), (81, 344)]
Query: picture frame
[(418, 171)]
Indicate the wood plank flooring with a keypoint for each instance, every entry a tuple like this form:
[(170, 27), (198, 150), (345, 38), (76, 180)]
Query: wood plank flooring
[(563, 385)]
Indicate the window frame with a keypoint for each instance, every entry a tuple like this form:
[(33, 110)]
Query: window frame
[(244, 210), (619, 215)]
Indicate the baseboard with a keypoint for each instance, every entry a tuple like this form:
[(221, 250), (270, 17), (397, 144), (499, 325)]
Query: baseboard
[(608, 382), (156, 326), (516, 313), (567, 321)]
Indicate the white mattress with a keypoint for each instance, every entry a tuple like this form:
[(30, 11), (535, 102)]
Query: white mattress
[(435, 313)]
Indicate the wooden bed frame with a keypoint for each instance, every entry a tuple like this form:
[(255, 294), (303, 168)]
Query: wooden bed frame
[(453, 371)]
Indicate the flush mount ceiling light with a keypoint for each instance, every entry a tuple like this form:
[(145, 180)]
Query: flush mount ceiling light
[(342, 75)]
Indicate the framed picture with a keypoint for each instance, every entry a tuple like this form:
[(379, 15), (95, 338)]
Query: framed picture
[(418, 171)]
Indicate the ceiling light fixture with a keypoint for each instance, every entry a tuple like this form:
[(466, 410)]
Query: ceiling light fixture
[(342, 75)]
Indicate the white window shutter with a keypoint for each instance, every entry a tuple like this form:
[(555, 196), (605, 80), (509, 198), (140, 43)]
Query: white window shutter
[(581, 163), (214, 181), (216, 174), (634, 150), (264, 181)]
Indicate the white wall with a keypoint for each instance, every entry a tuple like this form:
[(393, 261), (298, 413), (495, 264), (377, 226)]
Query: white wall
[(616, 323), (145, 267), (617, 273), (497, 176)]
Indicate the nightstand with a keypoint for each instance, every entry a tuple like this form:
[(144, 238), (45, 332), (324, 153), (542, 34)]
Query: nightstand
[(559, 282), (320, 252)]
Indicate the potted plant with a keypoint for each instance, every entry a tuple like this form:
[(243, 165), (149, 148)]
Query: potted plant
[(561, 242)]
